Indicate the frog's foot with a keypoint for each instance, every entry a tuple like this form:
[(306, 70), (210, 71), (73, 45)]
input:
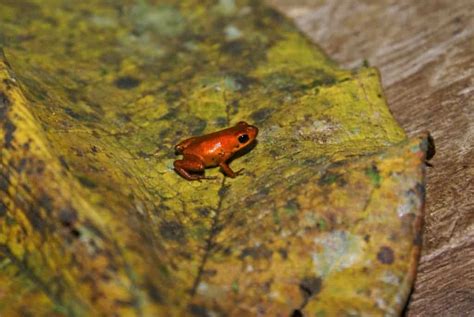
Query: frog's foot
[(184, 167), (228, 171), (194, 177)]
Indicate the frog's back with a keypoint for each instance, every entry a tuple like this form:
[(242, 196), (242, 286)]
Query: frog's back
[(210, 150), (196, 141)]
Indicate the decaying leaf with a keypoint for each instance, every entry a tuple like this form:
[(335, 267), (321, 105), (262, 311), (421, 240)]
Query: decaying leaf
[(93, 220)]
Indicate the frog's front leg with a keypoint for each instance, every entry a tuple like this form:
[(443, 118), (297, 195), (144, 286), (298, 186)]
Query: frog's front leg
[(188, 164), (228, 171)]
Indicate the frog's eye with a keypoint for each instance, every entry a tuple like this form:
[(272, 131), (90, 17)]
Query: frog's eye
[(243, 138)]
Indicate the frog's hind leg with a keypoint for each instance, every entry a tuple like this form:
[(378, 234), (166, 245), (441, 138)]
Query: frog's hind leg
[(189, 164)]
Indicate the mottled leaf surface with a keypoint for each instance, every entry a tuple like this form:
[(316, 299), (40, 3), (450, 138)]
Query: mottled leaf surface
[(93, 220)]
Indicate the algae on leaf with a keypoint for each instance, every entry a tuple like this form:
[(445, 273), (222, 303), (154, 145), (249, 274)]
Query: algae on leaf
[(93, 97)]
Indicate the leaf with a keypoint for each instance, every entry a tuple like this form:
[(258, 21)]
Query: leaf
[(93, 98)]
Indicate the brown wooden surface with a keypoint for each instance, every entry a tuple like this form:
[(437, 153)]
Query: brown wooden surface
[(425, 53)]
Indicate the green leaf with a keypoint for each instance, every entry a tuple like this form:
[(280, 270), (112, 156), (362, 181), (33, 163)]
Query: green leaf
[(93, 99)]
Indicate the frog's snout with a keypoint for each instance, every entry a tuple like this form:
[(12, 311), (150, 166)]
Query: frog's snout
[(252, 131), (178, 149)]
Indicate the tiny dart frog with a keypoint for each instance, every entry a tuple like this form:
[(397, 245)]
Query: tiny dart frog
[(214, 149)]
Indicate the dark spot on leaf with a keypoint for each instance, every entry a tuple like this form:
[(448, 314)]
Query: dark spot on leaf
[(95, 134), (105, 277), (143, 154), (292, 206), (272, 17), (297, 313), (124, 117), (9, 131), (46, 202), (92, 228), (75, 233), (264, 191), (367, 238), (221, 122), (67, 216), (21, 165), (153, 292), (111, 58), (3, 209), (40, 166), (216, 229), (260, 252), (222, 191), (173, 95), (331, 178), (281, 81), (283, 253), (234, 106), (197, 125), (373, 173), (242, 81), (394, 237), (172, 230), (87, 182), (340, 81), (261, 114), (172, 114), (203, 212), (4, 104), (386, 255), (74, 94), (310, 285), (63, 162), (9, 83), (26, 188), (274, 153), (4, 180), (235, 48), (127, 82), (227, 251), (209, 273), (72, 113), (198, 311), (325, 81), (34, 217), (163, 134)]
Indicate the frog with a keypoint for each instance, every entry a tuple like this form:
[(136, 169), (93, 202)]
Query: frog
[(212, 150)]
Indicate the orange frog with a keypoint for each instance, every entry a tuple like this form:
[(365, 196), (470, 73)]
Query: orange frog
[(214, 149)]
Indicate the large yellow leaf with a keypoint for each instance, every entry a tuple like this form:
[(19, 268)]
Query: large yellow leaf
[(94, 221)]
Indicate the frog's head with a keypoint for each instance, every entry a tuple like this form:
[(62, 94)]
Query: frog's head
[(245, 135)]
